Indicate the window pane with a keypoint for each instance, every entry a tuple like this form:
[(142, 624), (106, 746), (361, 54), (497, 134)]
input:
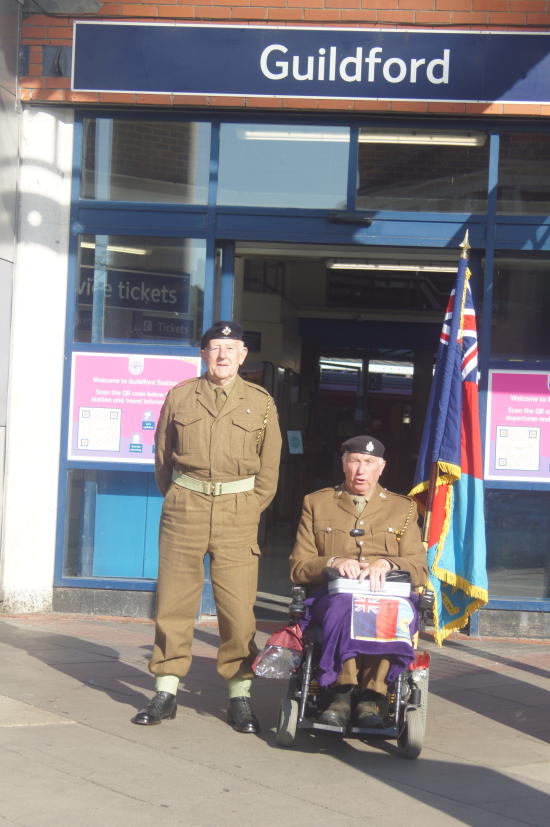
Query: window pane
[(523, 176), (520, 307), (518, 554), (283, 166), (145, 161), (422, 171), (131, 287)]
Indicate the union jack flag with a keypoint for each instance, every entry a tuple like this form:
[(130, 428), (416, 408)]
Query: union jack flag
[(467, 332), (451, 440), (366, 604)]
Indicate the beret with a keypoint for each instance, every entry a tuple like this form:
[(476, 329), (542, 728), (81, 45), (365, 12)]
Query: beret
[(222, 330), (363, 444)]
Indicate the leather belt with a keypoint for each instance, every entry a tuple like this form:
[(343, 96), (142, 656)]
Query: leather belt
[(213, 489)]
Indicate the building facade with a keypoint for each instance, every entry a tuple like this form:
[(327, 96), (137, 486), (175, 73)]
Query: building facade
[(311, 169)]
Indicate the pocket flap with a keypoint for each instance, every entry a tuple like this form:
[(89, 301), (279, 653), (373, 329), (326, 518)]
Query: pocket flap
[(248, 422), (186, 417)]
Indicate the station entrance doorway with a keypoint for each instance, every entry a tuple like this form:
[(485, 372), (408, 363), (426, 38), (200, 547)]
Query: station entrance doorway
[(345, 339)]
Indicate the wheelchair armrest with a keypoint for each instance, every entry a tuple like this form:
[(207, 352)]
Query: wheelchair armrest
[(398, 576), (426, 600)]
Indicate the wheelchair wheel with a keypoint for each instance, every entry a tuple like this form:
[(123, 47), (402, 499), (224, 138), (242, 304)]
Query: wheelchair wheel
[(411, 738), (288, 722)]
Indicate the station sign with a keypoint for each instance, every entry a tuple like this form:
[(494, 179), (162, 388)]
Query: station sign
[(115, 402), (311, 62)]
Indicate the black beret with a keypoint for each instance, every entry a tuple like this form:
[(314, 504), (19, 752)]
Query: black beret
[(363, 445), (222, 330)]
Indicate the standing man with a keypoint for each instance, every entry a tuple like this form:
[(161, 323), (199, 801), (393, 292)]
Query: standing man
[(358, 530), (217, 452)]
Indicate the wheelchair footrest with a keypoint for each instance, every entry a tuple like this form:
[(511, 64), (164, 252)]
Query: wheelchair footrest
[(309, 724), (384, 732)]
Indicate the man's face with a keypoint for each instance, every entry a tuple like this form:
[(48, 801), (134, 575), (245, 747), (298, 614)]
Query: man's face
[(361, 472), (222, 358)]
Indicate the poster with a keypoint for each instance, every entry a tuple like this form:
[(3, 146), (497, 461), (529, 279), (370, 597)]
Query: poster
[(115, 401), (517, 446)]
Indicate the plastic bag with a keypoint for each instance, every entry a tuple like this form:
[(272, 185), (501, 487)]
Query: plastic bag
[(281, 654)]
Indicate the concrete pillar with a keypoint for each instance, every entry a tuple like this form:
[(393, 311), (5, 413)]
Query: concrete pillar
[(36, 361)]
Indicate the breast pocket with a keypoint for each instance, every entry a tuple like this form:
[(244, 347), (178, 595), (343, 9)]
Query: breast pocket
[(245, 435), (188, 426), (330, 541)]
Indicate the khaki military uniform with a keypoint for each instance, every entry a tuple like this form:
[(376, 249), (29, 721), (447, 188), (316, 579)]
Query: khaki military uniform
[(241, 440), (390, 523)]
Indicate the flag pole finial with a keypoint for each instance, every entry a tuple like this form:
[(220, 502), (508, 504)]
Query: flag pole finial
[(465, 245)]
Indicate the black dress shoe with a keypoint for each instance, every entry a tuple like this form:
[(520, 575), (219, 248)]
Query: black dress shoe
[(370, 712), (241, 716), (163, 705), (338, 712)]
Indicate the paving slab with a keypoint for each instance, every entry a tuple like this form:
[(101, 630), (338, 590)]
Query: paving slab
[(71, 755)]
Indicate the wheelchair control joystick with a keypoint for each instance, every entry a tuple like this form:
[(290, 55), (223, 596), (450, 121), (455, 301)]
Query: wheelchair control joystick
[(297, 608)]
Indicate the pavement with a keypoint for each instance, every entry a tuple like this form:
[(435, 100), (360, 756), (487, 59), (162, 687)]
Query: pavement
[(70, 755)]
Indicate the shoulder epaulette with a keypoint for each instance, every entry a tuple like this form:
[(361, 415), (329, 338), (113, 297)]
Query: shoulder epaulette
[(185, 382), (256, 387), (402, 496)]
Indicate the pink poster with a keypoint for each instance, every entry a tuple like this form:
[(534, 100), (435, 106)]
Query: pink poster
[(517, 445), (116, 400)]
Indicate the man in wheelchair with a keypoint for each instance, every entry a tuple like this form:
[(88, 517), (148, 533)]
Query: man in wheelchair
[(357, 530)]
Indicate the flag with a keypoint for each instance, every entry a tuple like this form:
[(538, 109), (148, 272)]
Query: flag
[(382, 618), (451, 439)]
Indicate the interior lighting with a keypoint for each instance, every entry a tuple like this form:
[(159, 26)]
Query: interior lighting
[(371, 137), (280, 135), (427, 138), (113, 248), (333, 264)]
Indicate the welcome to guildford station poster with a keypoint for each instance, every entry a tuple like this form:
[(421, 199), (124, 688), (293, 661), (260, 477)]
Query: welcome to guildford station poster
[(115, 402)]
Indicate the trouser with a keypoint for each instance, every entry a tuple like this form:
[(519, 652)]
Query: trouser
[(225, 527), (368, 672)]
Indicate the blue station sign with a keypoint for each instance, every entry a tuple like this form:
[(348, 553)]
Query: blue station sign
[(352, 64)]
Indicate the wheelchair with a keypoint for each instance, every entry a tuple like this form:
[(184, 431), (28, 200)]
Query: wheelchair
[(407, 696)]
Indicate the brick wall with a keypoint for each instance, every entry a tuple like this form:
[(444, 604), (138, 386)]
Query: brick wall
[(41, 30)]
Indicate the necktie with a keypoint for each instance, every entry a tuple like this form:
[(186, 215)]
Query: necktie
[(359, 504), (220, 398)]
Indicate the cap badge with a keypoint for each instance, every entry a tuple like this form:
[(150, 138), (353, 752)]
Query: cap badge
[(369, 447), (226, 331)]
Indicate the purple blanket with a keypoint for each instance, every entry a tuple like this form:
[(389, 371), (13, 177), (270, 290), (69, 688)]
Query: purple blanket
[(334, 613)]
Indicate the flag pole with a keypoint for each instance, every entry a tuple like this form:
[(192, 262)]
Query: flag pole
[(434, 472)]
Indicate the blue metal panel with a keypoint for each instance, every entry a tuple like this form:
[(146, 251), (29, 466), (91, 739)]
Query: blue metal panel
[(398, 229), (227, 278), (519, 604), (529, 233), (353, 164), (97, 218), (119, 525), (484, 329)]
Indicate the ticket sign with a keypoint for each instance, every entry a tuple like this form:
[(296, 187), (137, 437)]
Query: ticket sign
[(116, 400), (518, 426)]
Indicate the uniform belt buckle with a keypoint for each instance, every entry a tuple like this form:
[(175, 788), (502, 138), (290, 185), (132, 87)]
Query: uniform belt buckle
[(216, 489)]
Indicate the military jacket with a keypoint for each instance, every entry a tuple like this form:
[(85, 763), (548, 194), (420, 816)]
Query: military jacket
[(390, 523), (241, 440)]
